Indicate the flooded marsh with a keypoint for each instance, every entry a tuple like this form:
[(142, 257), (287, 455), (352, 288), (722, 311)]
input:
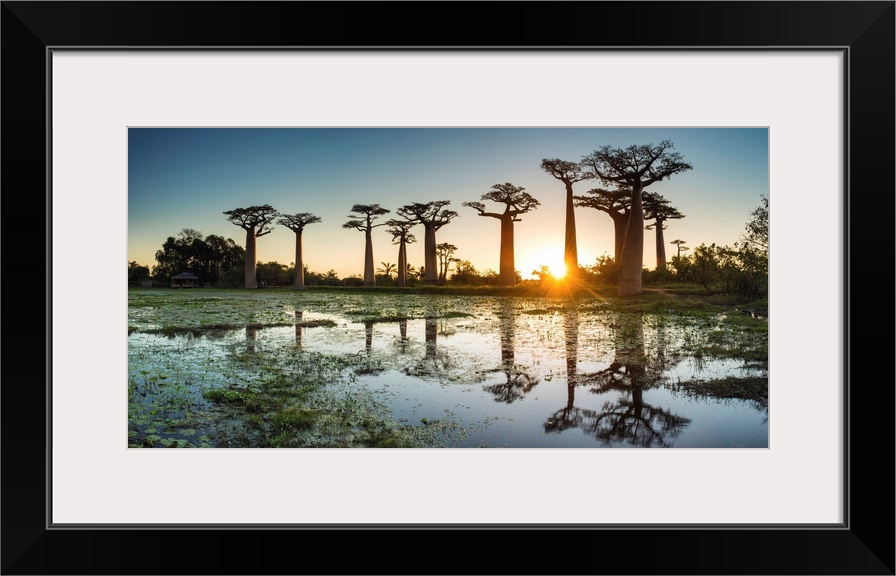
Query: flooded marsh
[(281, 368)]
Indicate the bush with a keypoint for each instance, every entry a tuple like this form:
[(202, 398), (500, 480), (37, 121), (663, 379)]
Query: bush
[(604, 271)]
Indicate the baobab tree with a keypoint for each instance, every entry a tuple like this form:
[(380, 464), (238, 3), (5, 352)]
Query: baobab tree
[(256, 221), (401, 235), (362, 219), (637, 167), (569, 173), (297, 223), (516, 201), (680, 247), (658, 209), (617, 205), (432, 215)]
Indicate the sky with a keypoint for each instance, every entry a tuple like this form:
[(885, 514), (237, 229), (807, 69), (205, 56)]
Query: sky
[(188, 177)]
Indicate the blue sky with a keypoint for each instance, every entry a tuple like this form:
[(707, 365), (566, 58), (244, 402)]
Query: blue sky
[(187, 177)]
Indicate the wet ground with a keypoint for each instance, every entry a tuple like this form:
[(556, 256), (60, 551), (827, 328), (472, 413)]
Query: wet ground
[(492, 371)]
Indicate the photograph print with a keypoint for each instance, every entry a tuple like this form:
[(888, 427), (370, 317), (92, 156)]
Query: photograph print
[(448, 287)]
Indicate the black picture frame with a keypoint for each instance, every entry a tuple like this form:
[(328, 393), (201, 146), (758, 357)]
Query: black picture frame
[(864, 544)]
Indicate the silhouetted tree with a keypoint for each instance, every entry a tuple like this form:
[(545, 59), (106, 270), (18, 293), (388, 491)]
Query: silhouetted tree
[(516, 201), (444, 252), (637, 167), (362, 219), (137, 273), (432, 215), (757, 228), (272, 273), (387, 269), (400, 230), (297, 223), (679, 244), (617, 205), (658, 209), (256, 221), (569, 173)]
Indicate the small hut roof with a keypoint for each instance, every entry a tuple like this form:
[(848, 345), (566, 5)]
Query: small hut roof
[(185, 276)]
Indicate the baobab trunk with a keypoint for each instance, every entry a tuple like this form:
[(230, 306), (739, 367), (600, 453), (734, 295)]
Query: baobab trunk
[(620, 222), (430, 264), (250, 260), (402, 264), (660, 247), (507, 272), (570, 252), (369, 278), (633, 251), (300, 268)]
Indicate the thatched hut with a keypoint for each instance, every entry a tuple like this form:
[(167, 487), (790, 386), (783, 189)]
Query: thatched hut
[(185, 280)]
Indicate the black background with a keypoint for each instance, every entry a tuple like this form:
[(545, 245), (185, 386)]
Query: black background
[(865, 545)]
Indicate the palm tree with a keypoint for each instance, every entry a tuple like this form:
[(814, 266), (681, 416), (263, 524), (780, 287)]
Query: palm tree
[(387, 269)]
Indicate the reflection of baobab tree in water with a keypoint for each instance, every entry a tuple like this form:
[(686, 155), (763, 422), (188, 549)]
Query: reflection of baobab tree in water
[(628, 419), (367, 364), (251, 337), (569, 416), (402, 343), (518, 383), (299, 327), (433, 363)]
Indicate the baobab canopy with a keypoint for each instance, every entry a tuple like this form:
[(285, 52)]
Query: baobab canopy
[(635, 167), (256, 221), (516, 202)]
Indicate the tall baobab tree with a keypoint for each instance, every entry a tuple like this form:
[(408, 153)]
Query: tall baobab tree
[(658, 209), (637, 166), (400, 230), (617, 205), (432, 215), (362, 219), (516, 201), (297, 223), (256, 221), (569, 173)]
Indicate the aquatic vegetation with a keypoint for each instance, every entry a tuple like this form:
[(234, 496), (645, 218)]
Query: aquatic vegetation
[(287, 369)]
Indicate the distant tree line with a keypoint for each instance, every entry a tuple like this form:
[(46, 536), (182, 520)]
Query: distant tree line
[(216, 260)]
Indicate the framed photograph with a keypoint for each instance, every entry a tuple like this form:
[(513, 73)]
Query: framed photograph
[(790, 104)]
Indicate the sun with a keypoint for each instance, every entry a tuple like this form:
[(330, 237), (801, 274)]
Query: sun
[(550, 258)]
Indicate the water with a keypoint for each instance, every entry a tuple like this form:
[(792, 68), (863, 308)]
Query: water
[(510, 372)]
